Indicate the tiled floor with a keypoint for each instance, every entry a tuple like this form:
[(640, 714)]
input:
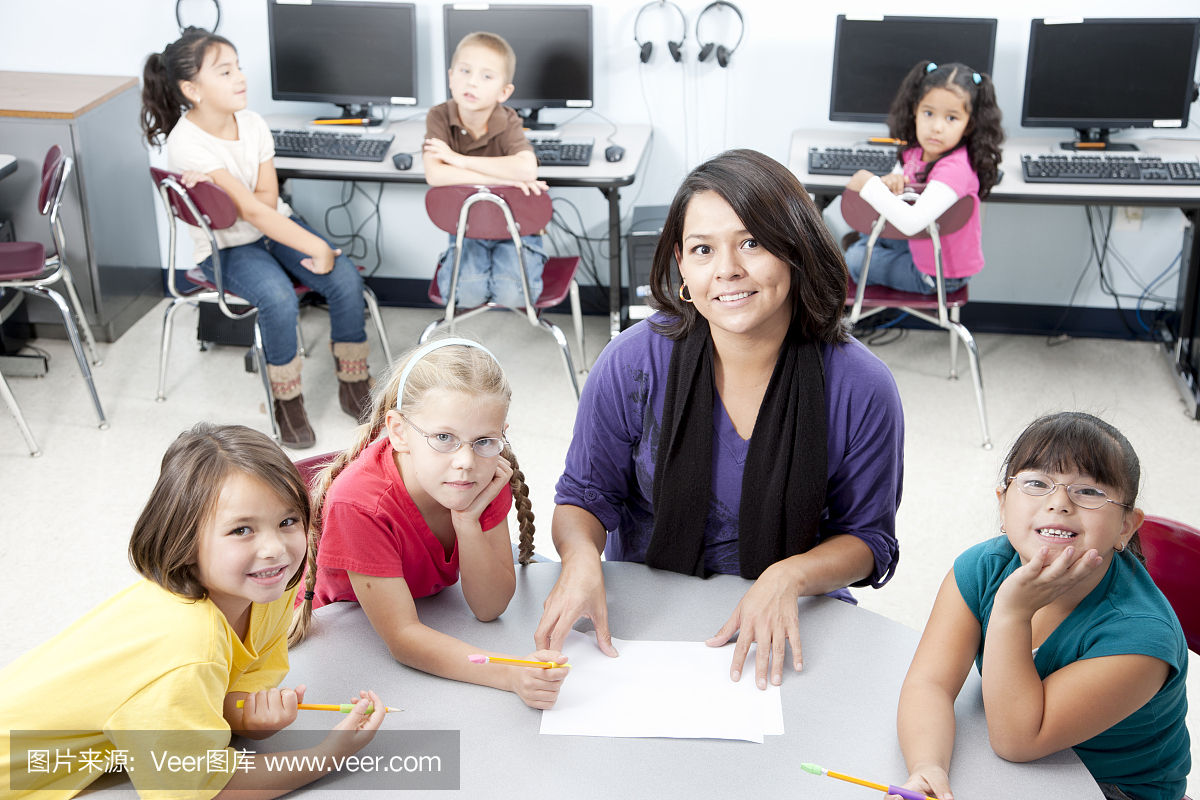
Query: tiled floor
[(66, 516)]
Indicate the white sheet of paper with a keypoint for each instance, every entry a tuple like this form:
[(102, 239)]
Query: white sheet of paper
[(679, 690)]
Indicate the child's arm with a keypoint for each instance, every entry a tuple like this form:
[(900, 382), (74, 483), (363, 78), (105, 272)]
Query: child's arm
[(934, 201), (444, 167), (390, 608), (272, 223), (1029, 718), (267, 188), (264, 713), (485, 557), (925, 715)]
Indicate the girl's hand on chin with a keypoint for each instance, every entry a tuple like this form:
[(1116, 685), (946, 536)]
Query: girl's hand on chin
[(471, 513), (1042, 581)]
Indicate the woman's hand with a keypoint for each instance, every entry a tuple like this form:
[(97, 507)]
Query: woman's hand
[(767, 614), (894, 181), (579, 592), (469, 516), (538, 688), (358, 728), (321, 263), (1038, 584), (191, 177), (930, 779), (859, 179), (271, 709)]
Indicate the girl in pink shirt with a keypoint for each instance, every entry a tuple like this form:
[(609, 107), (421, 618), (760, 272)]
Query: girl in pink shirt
[(422, 497), (949, 117)]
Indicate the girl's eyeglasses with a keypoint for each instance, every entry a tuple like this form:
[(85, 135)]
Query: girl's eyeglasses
[(449, 443), (1036, 484)]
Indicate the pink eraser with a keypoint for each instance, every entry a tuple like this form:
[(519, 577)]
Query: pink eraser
[(477, 659)]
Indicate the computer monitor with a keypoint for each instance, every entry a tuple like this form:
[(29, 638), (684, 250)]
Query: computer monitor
[(1095, 75), (344, 52), (871, 56), (553, 44)]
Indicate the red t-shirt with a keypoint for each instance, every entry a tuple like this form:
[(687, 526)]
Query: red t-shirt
[(372, 527)]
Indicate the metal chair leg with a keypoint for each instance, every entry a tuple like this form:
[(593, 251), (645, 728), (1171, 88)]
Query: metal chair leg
[(11, 402), (373, 307), (76, 345), (429, 329), (954, 314), (577, 318), (977, 378), (69, 282), (566, 352), (261, 355), (165, 350), (301, 350)]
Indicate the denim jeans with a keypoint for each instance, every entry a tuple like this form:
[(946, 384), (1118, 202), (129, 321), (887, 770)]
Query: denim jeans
[(259, 273), (892, 265), (488, 272)]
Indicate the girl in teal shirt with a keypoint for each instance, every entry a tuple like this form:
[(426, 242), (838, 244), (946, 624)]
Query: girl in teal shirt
[(1075, 644)]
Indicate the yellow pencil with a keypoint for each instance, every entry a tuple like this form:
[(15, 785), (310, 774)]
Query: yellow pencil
[(345, 708), (516, 662)]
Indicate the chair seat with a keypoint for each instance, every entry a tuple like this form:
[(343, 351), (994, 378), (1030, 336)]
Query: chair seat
[(556, 282), (21, 260), (876, 296), (197, 276)]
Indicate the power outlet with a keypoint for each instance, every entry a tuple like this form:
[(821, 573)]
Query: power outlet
[(1128, 218)]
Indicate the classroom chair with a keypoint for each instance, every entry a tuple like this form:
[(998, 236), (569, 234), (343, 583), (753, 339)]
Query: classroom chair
[(25, 266), (209, 208), (309, 467), (866, 220), (1172, 551), (501, 212)]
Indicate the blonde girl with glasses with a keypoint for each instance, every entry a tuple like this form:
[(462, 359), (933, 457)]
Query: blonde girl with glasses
[(1075, 644), (421, 498)]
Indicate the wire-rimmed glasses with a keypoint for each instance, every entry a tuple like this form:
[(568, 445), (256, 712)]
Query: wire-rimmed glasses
[(449, 443), (1035, 484)]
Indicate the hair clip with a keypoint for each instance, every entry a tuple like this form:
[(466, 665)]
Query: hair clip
[(930, 67), (975, 77)]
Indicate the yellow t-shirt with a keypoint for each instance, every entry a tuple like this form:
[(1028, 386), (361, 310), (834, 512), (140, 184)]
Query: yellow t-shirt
[(145, 660)]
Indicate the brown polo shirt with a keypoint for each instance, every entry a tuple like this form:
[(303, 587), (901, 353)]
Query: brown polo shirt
[(505, 135)]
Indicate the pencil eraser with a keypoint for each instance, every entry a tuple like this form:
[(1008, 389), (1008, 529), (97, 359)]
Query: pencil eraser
[(477, 659)]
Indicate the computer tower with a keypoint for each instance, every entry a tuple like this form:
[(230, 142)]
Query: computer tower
[(641, 241)]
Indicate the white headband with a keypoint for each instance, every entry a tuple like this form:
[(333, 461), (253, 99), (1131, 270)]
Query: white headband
[(426, 350)]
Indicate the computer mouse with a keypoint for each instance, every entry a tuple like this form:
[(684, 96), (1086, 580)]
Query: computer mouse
[(402, 160), (614, 153)]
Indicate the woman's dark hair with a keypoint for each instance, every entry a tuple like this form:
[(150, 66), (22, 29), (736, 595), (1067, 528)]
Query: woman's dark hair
[(781, 217), (162, 102), (984, 132), (194, 469), (1072, 441)]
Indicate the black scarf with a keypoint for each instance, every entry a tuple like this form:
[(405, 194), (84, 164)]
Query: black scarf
[(784, 481)]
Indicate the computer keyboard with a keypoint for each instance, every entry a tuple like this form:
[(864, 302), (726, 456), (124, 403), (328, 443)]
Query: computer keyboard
[(323, 144), (1143, 170), (563, 151), (849, 160)]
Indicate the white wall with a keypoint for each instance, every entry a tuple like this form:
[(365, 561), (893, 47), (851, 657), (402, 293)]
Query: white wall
[(777, 81)]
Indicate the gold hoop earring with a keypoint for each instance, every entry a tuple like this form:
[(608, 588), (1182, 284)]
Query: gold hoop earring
[(683, 286)]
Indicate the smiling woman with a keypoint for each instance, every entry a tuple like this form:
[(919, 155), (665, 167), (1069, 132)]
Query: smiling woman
[(740, 430)]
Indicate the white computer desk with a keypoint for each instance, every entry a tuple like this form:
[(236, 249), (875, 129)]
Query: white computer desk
[(600, 174), (1013, 189)]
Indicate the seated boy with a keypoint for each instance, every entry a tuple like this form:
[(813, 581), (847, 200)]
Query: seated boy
[(472, 139)]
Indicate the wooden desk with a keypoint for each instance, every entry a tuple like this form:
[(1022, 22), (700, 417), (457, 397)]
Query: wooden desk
[(606, 176), (1184, 359), (107, 210), (839, 712)]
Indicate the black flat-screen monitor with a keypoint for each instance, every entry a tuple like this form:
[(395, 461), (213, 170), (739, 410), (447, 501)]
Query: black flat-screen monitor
[(343, 52), (1099, 74), (553, 44), (871, 56)]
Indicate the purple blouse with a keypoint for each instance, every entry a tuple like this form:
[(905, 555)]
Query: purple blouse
[(610, 464)]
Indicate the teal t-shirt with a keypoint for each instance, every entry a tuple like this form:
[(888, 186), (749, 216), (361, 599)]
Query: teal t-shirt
[(1147, 754)]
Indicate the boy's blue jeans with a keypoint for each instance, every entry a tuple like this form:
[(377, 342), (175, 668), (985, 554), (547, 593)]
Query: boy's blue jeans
[(892, 265), (259, 274), (488, 272)]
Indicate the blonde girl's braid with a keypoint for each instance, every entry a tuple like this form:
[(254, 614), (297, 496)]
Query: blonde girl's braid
[(520, 493), (383, 400)]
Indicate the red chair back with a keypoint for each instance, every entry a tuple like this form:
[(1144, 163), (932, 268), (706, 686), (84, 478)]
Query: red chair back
[(1172, 552), (309, 467), (860, 215), (52, 175), (210, 200), (532, 213)]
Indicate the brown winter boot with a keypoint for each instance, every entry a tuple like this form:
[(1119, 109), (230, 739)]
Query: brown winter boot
[(354, 383), (294, 430)]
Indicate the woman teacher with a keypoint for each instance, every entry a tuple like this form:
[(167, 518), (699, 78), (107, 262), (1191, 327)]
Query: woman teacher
[(739, 430)]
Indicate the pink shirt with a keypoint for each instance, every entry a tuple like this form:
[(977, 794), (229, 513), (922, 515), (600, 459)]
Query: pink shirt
[(372, 527), (962, 251)]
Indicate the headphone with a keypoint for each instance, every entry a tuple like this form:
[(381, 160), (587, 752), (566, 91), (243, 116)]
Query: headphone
[(646, 48), (723, 53)]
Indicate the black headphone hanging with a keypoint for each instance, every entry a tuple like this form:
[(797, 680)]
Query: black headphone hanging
[(723, 53), (647, 48), (179, 18)]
